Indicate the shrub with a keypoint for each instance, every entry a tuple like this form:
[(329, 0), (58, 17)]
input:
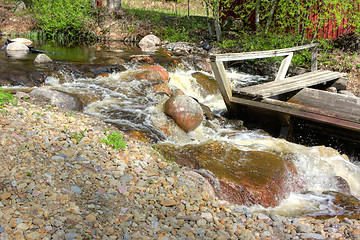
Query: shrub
[(70, 17), (114, 140)]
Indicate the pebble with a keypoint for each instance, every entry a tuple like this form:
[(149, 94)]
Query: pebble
[(56, 188)]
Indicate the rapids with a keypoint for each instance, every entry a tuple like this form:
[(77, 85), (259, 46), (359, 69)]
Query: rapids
[(221, 149)]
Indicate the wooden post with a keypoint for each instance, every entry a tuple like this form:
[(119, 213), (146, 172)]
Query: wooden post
[(223, 83), (314, 58), (284, 67)]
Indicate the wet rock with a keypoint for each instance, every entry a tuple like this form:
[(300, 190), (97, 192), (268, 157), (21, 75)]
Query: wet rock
[(342, 185), (204, 66), (59, 99), (149, 75), (163, 73), (142, 59), (177, 92), (95, 70), (42, 58), (244, 177), (162, 88), (208, 83), (16, 78), (149, 43), (185, 111), (348, 202)]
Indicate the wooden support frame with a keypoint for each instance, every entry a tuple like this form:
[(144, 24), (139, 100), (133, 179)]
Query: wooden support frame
[(217, 65)]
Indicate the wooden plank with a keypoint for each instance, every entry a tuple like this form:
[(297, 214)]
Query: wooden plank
[(328, 101), (313, 114), (289, 84), (258, 54), (284, 67), (223, 82)]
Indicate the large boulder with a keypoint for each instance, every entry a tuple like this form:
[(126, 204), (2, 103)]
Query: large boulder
[(186, 112), (59, 99), (17, 46), (149, 75), (241, 177), (22, 40), (149, 43), (16, 50)]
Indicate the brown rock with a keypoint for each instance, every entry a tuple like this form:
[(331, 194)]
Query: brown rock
[(168, 202), (5, 196), (162, 87), (185, 111), (149, 75), (143, 59), (177, 92), (163, 73)]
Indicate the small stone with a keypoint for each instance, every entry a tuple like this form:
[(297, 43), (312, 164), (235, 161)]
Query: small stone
[(91, 218), (22, 227), (168, 203), (33, 236), (76, 189), (313, 236), (201, 222), (5, 196)]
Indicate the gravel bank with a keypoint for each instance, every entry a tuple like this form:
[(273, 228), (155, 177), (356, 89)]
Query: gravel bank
[(53, 187)]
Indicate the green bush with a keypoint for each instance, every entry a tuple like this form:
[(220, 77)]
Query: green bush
[(70, 17)]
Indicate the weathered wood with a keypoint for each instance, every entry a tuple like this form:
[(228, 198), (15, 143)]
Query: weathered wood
[(328, 101), (284, 67), (258, 54), (314, 58), (309, 113), (288, 84), (223, 82)]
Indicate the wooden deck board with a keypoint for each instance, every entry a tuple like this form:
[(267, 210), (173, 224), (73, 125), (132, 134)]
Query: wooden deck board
[(288, 84), (314, 114)]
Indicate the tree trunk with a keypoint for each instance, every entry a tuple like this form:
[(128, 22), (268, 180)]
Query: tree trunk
[(257, 15), (113, 5), (217, 26), (271, 15)]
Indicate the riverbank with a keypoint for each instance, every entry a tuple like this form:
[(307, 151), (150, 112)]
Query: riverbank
[(56, 184)]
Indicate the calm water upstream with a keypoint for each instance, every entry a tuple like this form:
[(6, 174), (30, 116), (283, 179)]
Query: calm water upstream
[(245, 166)]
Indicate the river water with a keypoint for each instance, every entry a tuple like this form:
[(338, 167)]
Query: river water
[(245, 166)]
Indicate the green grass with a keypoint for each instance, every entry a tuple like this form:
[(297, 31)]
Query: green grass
[(6, 98)]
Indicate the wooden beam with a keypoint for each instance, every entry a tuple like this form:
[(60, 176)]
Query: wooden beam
[(258, 54), (284, 67), (223, 83), (297, 110)]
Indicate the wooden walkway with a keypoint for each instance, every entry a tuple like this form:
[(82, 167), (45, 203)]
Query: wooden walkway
[(303, 101)]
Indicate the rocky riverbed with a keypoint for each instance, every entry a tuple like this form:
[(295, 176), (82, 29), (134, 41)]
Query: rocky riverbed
[(55, 184)]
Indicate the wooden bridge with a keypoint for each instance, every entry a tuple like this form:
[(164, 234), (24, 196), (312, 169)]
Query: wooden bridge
[(298, 96)]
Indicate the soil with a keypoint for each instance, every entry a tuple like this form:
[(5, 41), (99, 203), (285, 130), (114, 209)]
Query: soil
[(116, 27)]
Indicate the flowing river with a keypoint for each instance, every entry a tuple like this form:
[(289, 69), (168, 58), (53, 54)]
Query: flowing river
[(245, 166)]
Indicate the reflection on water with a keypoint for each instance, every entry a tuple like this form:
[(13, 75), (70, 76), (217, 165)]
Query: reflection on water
[(301, 176)]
